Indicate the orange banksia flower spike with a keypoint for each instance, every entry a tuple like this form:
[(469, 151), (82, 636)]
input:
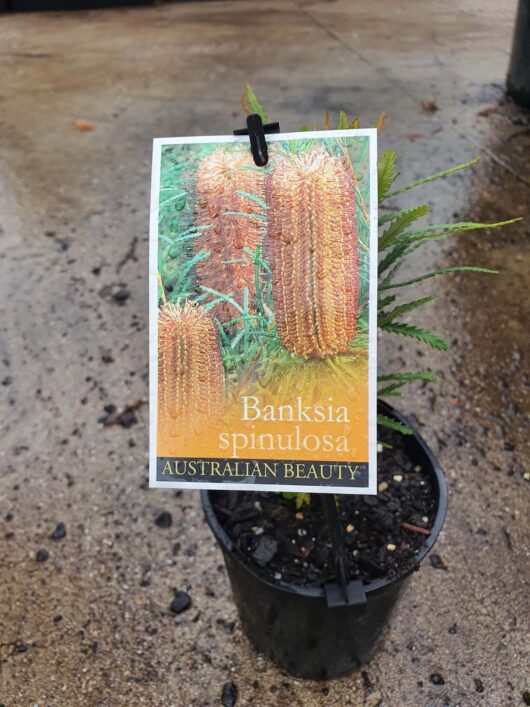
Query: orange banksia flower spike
[(190, 367), (235, 222), (313, 253)]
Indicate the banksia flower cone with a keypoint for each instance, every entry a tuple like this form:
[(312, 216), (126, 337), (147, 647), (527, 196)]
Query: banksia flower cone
[(190, 368), (313, 242), (221, 178)]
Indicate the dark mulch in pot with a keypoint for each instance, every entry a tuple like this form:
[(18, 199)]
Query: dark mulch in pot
[(282, 543)]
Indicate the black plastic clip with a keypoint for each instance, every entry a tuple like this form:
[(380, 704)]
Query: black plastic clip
[(353, 595), (257, 131), (342, 592)]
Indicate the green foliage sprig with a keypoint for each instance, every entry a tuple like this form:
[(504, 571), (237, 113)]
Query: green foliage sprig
[(256, 341), (398, 239)]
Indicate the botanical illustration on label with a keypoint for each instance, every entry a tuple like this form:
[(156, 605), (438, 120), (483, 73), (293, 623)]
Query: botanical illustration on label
[(262, 308)]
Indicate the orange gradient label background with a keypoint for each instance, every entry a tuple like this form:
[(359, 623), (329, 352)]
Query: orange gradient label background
[(228, 436)]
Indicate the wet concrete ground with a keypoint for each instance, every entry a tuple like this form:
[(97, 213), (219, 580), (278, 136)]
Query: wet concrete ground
[(91, 625)]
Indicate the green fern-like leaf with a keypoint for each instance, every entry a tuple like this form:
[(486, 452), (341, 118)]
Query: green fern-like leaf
[(343, 122), (397, 381), (407, 377), (401, 309), (300, 499), (386, 174), (435, 273), (442, 230), (408, 242), (394, 390), (382, 303), (391, 258), (424, 335), (386, 218), (433, 177), (252, 104), (392, 424), (399, 223)]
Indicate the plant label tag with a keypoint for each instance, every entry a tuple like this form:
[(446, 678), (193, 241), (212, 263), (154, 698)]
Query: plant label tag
[(263, 294)]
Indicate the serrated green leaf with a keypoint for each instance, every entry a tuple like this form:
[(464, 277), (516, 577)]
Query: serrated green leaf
[(382, 303), (435, 273), (400, 223), (432, 177), (390, 390), (398, 380), (253, 103), (343, 122), (410, 241), (385, 173), (441, 230), (299, 498), (407, 377), (389, 276), (414, 332), (391, 257), (380, 122), (386, 218), (392, 424), (401, 309), (303, 499)]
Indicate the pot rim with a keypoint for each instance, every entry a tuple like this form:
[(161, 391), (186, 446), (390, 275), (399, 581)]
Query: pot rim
[(374, 585)]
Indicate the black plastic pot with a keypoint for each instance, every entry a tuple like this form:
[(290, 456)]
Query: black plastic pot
[(518, 84), (306, 631)]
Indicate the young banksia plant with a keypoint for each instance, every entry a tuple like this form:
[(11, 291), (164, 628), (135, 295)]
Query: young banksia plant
[(229, 191), (313, 253), (190, 368)]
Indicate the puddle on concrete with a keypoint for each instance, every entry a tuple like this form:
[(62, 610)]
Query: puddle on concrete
[(495, 316)]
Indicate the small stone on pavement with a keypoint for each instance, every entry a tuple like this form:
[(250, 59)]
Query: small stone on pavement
[(229, 695), (180, 603), (42, 555), (59, 533), (164, 520)]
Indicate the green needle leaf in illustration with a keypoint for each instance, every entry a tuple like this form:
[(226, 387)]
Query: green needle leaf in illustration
[(254, 198)]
